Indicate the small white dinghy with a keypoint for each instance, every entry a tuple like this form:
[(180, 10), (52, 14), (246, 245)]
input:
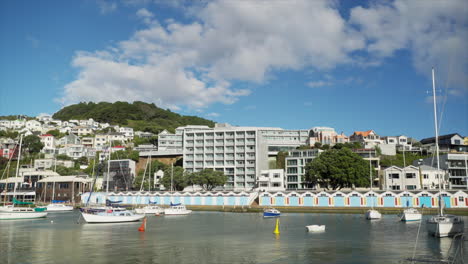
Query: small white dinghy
[(315, 228)]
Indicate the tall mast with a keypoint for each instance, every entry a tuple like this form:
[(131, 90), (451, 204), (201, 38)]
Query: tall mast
[(17, 167), (436, 139)]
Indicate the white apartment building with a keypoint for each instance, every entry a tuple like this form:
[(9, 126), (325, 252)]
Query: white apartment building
[(73, 151), (42, 164), (33, 125), (409, 178), (241, 153), (295, 167), (271, 180), (87, 141), (83, 130), (127, 132), (100, 140), (430, 177), (169, 141), (456, 165), (49, 142)]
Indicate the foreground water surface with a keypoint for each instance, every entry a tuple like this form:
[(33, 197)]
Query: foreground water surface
[(216, 237)]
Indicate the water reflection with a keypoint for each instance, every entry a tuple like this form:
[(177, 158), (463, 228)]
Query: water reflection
[(211, 237)]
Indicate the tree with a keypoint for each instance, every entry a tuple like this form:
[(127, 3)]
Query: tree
[(281, 160), (32, 144), (318, 145), (179, 179), (64, 171), (55, 133), (63, 157), (338, 168), (207, 179), (126, 154)]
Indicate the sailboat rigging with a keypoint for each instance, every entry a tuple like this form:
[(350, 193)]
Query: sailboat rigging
[(442, 225), (372, 214)]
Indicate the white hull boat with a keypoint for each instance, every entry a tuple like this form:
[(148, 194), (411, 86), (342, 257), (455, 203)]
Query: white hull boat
[(444, 226), (58, 208), (177, 210), (13, 213), (111, 217), (150, 209), (410, 214), (315, 228), (373, 215)]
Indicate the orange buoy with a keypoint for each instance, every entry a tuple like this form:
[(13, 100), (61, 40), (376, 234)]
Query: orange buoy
[(142, 228)]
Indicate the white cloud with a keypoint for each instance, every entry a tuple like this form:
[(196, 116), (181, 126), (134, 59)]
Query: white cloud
[(194, 64), (212, 115), (145, 15), (316, 84), (107, 6), (434, 32)]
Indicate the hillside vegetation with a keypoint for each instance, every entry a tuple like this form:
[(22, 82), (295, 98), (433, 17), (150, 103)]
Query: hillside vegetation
[(138, 115)]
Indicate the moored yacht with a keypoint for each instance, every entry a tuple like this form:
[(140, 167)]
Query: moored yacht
[(442, 225), (410, 214), (150, 209), (373, 214), (177, 209), (110, 215)]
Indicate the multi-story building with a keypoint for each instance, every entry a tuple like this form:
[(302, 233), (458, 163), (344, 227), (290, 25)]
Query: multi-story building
[(295, 164), (456, 166), (271, 180), (87, 142), (42, 164), (121, 175), (326, 136), (83, 130), (33, 125), (70, 139), (369, 139), (127, 132), (447, 143), (412, 178), (400, 142), (169, 141), (48, 140), (241, 153)]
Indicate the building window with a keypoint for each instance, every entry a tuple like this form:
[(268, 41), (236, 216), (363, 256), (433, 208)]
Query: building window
[(395, 187), (426, 176), (410, 175), (411, 187), (276, 184), (276, 175), (394, 176)]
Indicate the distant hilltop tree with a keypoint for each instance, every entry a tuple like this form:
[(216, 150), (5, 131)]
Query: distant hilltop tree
[(138, 115)]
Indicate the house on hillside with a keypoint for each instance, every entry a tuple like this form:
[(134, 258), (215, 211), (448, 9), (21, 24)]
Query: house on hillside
[(326, 136), (369, 139), (447, 143), (70, 139)]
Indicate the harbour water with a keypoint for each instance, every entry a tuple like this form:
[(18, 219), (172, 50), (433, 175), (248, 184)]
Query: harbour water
[(216, 237)]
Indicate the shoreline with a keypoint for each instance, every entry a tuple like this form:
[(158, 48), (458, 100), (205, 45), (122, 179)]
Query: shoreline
[(328, 210)]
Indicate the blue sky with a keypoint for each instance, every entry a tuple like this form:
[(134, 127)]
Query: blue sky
[(290, 64)]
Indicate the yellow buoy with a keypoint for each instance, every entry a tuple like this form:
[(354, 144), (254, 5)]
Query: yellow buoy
[(276, 231)]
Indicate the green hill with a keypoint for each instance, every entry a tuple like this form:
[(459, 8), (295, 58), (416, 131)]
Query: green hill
[(138, 115)]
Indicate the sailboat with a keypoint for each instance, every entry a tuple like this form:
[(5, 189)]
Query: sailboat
[(442, 225), (10, 212), (109, 214), (372, 214), (151, 208), (409, 214)]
